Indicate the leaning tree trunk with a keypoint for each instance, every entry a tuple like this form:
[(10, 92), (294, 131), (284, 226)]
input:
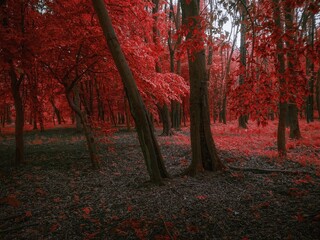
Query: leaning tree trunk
[(281, 136), (204, 153), (147, 139), (19, 120), (56, 110), (87, 131)]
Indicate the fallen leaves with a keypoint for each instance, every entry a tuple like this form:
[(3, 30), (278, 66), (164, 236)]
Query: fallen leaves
[(11, 200), (87, 210), (201, 197)]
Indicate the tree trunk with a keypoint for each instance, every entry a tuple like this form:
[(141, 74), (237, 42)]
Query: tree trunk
[(76, 94), (55, 110), (127, 111), (310, 69), (99, 100), (87, 131), (292, 59), (243, 57), (204, 153), (165, 118), (164, 111), (281, 135), (176, 115), (19, 121), (147, 139), (318, 93)]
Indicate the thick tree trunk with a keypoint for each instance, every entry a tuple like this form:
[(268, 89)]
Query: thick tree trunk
[(19, 120), (204, 153), (147, 139), (281, 135)]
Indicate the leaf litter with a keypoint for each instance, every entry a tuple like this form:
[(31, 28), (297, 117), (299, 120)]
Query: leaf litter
[(58, 196)]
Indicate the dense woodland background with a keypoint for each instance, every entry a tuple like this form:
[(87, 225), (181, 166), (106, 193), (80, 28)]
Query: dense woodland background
[(182, 87)]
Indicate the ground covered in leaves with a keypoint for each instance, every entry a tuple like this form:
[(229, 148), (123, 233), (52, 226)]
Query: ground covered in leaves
[(58, 196)]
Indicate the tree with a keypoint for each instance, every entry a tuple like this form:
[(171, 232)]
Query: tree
[(243, 55), (292, 59), (147, 139), (204, 152), (15, 52), (280, 67)]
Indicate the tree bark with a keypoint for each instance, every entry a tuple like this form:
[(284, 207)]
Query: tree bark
[(280, 66), (292, 58), (310, 69), (87, 131), (164, 114), (76, 96), (204, 153), (176, 115), (318, 92), (147, 139), (243, 57), (56, 110), (19, 120), (164, 111)]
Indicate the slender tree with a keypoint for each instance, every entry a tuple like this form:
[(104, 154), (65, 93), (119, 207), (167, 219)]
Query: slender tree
[(292, 59), (243, 55), (280, 66), (147, 139)]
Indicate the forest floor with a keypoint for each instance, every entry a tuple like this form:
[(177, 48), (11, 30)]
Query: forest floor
[(57, 195)]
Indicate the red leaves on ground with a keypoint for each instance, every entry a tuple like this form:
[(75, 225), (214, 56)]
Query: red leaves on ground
[(162, 237), (54, 227), (299, 217), (306, 179), (87, 210), (41, 192), (237, 175), (201, 197), (296, 192), (56, 200), (11, 200), (28, 214), (192, 228)]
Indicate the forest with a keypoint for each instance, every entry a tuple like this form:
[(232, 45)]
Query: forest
[(159, 119)]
